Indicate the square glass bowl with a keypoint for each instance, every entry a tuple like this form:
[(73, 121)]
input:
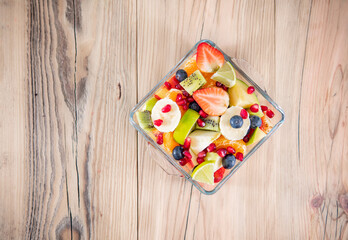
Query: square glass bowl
[(167, 162)]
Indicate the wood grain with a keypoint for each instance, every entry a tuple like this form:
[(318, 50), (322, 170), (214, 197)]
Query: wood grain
[(72, 167), (76, 99), (161, 196)]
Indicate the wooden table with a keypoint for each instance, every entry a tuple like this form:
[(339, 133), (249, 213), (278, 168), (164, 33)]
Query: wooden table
[(72, 166)]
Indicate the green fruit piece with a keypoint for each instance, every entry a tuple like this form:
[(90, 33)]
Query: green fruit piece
[(204, 173), (144, 120), (150, 103), (211, 124), (258, 134), (259, 113), (240, 97), (225, 75), (186, 124), (201, 139), (212, 156), (193, 82)]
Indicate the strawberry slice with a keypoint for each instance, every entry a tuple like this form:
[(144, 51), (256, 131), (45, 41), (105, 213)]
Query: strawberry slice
[(209, 59), (214, 101)]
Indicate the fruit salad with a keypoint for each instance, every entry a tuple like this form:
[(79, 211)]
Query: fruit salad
[(205, 116)]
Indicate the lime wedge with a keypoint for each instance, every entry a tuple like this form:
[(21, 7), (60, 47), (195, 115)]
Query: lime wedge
[(225, 75), (204, 172)]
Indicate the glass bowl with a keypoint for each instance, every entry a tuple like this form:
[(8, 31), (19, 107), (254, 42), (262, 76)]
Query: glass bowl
[(244, 72)]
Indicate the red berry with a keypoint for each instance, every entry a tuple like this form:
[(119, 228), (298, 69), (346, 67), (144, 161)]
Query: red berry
[(244, 113), (168, 85), (178, 97), (219, 174), (166, 108), (239, 156), (186, 94), (270, 113), (159, 139), (246, 139), (254, 108), (190, 99), (200, 160), (222, 152), (202, 154), (185, 107), (264, 108), (183, 161), (187, 154), (178, 86), (182, 102), (157, 97), (200, 122), (187, 143), (231, 150), (211, 147), (217, 179), (224, 87), (218, 84), (203, 114), (158, 122), (250, 90)]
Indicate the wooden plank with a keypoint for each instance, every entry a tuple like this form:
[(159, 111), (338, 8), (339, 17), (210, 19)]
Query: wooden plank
[(292, 23), (245, 207), (13, 119), (75, 179), (166, 31), (323, 131)]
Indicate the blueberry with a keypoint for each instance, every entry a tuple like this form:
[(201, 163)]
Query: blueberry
[(195, 106), (228, 161), (181, 75), (236, 121), (255, 122), (178, 153)]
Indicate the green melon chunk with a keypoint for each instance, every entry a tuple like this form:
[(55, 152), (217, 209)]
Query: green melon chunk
[(257, 135), (185, 126), (240, 97)]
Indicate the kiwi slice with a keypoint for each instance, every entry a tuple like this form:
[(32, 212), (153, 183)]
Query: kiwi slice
[(144, 119), (150, 103), (186, 125), (193, 82), (240, 97), (211, 124)]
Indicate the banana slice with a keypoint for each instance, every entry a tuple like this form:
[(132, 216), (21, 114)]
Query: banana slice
[(227, 130), (170, 119)]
